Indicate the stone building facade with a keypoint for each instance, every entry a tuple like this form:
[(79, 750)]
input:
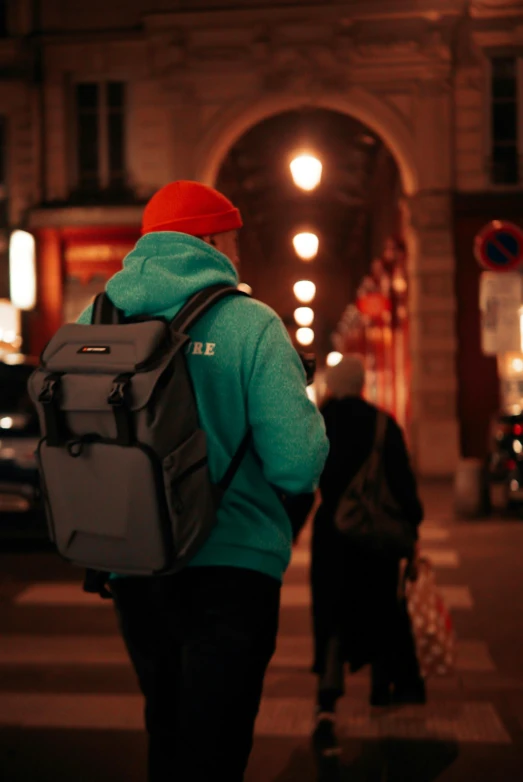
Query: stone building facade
[(196, 75)]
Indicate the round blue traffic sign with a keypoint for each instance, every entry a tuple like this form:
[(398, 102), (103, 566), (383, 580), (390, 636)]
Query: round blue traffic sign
[(499, 246)]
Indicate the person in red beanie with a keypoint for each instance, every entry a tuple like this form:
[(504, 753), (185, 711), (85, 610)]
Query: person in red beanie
[(201, 640), (195, 209)]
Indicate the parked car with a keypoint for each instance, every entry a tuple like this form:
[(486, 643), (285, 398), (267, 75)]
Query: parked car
[(21, 507), (505, 461)]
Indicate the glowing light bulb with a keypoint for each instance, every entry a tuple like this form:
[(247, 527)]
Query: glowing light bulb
[(306, 171), (306, 246), (305, 291), (305, 336), (304, 316)]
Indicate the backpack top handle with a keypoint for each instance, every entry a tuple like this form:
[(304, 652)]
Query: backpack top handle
[(105, 313)]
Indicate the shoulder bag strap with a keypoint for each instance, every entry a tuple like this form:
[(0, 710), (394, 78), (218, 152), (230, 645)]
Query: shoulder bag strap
[(201, 303), (104, 311), (377, 449)]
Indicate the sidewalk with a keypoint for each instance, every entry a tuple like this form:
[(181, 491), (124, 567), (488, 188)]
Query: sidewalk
[(70, 708), (438, 499)]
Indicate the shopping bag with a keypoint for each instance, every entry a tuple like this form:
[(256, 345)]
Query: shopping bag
[(431, 624)]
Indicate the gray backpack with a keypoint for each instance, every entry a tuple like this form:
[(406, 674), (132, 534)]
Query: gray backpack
[(122, 459), (367, 513)]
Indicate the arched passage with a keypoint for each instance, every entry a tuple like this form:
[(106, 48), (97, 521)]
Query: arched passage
[(433, 424), (234, 121), (347, 213)]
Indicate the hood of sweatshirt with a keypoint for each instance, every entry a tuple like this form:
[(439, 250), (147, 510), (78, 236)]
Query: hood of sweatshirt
[(164, 270)]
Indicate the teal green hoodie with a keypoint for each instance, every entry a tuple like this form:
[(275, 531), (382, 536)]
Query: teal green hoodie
[(245, 373)]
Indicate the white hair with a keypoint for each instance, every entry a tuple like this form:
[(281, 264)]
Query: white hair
[(347, 378)]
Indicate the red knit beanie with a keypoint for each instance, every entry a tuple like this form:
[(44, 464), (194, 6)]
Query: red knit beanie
[(190, 208)]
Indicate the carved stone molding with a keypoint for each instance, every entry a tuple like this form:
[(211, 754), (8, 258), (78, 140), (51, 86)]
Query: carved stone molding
[(430, 45), (306, 71), (435, 84), (489, 8), (225, 55), (261, 46), (168, 54)]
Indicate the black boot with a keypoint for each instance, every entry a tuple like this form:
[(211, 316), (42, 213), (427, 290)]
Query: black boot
[(324, 739)]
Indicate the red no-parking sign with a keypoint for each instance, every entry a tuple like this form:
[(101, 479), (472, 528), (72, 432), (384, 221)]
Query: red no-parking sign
[(499, 246)]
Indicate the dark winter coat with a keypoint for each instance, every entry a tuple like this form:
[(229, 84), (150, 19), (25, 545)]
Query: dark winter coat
[(354, 593)]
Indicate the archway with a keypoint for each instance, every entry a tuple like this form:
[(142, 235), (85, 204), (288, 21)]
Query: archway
[(232, 122), (243, 136)]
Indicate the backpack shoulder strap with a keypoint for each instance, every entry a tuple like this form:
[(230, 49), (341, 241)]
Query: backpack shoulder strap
[(192, 311), (201, 303), (236, 461), (104, 311)]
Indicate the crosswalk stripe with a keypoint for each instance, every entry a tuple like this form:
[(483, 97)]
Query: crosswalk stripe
[(296, 652), (433, 534), (298, 596), (441, 558), (59, 594), (283, 717), (92, 650), (293, 596)]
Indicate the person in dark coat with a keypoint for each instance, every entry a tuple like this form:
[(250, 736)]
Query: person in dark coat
[(357, 616)]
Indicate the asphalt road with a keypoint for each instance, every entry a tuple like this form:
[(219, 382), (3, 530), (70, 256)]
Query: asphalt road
[(70, 708)]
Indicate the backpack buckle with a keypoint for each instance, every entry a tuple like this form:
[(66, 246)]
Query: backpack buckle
[(118, 399), (48, 397), (49, 390), (119, 391)]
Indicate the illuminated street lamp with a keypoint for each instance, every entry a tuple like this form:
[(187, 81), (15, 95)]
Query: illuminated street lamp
[(305, 336), (304, 316), (306, 172), (334, 358), (245, 288), (22, 270), (306, 246), (305, 291), (10, 329)]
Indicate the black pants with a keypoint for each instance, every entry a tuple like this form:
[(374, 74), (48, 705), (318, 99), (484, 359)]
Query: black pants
[(395, 666), (200, 642)]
